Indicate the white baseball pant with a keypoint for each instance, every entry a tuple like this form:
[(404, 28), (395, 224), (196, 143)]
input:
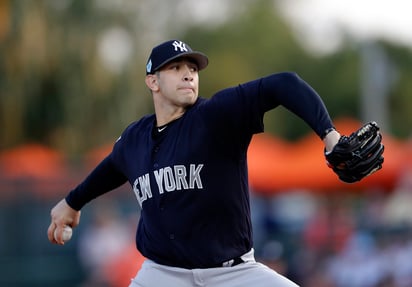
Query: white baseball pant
[(250, 273)]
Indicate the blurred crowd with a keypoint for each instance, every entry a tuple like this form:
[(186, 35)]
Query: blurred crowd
[(340, 240)]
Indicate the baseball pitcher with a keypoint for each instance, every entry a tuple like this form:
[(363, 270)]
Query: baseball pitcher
[(187, 166)]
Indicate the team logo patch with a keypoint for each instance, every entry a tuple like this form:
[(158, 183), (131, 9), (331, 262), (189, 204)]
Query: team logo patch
[(149, 66)]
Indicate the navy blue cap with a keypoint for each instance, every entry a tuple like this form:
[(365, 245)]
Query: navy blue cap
[(170, 50)]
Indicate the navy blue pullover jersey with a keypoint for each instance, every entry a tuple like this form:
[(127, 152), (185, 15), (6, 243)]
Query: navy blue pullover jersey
[(191, 179)]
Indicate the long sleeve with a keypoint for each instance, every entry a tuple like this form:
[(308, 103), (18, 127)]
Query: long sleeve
[(290, 91), (104, 178)]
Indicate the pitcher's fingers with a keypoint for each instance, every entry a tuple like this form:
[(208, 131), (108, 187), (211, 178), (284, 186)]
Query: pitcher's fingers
[(50, 232)]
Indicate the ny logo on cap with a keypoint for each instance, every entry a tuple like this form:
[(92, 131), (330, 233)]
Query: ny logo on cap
[(179, 45)]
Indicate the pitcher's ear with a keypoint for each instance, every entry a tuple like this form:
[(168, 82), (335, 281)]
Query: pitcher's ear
[(151, 82)]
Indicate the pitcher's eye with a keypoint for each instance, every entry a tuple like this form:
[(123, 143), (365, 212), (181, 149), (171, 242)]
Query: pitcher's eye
[(193, 68)]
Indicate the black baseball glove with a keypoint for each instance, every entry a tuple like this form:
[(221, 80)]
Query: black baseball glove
[(358, 155)]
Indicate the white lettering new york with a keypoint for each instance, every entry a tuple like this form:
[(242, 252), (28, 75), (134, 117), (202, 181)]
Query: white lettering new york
[(168, 179)]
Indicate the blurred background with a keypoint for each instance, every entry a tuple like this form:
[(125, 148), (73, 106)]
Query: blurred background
[(72, 78)]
